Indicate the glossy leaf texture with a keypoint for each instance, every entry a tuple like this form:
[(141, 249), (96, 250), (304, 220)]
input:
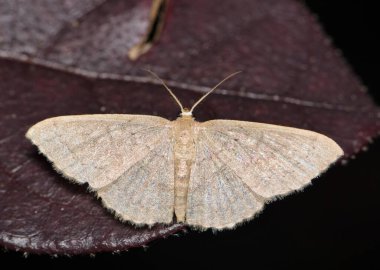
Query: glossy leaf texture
[(70, 57)]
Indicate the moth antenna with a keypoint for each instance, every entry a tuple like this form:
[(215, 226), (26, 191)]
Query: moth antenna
[(167, 88), (209, 92)]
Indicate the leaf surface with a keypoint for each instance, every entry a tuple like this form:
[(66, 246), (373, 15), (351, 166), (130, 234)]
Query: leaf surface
[(60, 58)]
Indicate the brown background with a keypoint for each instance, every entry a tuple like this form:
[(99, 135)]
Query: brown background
[(340, 235)]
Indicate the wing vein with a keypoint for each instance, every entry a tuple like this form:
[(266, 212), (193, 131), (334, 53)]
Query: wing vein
[(212, 143), (132, 165)]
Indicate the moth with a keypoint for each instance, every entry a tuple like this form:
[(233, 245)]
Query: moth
[(216, 174)]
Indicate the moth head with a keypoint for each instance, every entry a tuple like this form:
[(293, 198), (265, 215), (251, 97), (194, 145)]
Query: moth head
[(184, 111)]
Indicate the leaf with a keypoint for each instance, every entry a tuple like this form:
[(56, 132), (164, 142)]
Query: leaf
[(74, 61)]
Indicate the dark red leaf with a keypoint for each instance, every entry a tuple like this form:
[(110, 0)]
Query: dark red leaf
[(292, 76)]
